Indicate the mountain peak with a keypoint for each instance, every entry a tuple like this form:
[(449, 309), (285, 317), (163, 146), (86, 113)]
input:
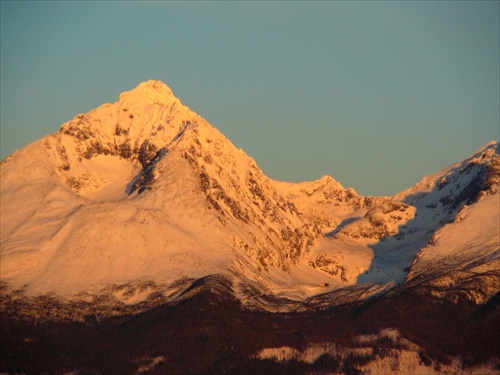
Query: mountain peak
[(148, 92), (152, 85), (491, 145)]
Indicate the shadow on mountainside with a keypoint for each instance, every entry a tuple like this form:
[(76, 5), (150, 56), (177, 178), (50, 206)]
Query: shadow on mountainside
[(343, 224), (393, 255)]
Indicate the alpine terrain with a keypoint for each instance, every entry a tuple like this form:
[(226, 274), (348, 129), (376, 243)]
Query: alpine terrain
[(138, 239)]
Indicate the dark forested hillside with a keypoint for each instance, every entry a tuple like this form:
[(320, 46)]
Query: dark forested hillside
[(210, 332)]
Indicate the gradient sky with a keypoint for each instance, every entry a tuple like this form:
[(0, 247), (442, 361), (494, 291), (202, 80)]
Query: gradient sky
[(375, 94)]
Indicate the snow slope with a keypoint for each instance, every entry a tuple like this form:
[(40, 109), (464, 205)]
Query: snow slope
[(146, 191)]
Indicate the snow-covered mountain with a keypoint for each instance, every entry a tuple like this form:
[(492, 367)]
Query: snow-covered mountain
[(142, 209), (145, 190)]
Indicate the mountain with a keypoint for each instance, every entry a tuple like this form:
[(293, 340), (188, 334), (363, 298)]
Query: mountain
[(143, 189), (141, 209)]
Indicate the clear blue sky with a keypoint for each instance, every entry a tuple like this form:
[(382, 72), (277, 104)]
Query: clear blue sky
[(375, 94)]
